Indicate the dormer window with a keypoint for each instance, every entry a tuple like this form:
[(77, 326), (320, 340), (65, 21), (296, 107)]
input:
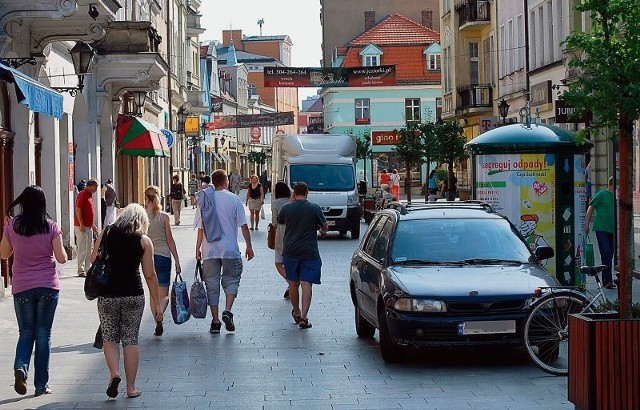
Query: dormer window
[(371, 56), (432, 55)]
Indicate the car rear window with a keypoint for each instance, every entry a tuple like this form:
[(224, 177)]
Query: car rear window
[(452, 240)]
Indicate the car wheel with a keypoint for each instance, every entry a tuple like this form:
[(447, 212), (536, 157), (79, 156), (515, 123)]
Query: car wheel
[(364, 329), (355, 231), (390, 351)]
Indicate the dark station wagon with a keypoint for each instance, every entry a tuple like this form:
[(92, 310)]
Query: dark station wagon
[(444, 274)]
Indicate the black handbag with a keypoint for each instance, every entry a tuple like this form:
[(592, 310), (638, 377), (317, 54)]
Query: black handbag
[(99, 273)]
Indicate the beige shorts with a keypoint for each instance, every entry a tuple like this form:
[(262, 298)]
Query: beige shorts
[(255, 204)]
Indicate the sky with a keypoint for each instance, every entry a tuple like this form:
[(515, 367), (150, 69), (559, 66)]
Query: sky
[(299, 19)]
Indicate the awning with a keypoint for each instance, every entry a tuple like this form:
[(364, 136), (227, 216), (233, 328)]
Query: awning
[(32, 93), (138, 138)]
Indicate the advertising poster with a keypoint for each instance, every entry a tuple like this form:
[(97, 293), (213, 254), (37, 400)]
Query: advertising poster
[(521, 187), (251, 120), (373, 76), (579, 215)]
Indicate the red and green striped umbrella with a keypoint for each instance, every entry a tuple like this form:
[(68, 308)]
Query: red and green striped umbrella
[(138, 138)]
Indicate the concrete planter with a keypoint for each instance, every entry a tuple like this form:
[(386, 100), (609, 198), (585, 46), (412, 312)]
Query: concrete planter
[(604, 362)]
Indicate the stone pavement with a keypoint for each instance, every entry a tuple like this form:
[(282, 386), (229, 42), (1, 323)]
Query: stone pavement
[(268, 363)]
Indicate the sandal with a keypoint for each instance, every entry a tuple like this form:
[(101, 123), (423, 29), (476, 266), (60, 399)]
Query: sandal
[(135, 394), (112, 390), (296, 318), (304, 323)]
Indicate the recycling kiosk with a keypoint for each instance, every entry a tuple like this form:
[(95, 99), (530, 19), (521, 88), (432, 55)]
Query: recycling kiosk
[(534, 175)]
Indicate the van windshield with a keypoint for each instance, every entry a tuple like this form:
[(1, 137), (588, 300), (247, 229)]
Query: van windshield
[(323, 177)]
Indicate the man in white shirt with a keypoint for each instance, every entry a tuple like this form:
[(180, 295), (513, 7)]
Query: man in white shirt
[(222, 260)]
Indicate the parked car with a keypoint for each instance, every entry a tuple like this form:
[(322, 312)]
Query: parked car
[(444, 274)]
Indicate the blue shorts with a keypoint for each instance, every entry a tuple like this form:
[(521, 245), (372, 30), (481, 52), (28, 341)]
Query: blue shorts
[(163, 270), (305, 270)]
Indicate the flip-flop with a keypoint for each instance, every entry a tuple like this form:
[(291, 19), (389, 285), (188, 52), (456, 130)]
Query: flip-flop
[(296, 318), (112, 390), (304, 324), (137, 393)]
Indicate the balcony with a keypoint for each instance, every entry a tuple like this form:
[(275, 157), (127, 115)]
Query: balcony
[(474, 98), (49, 21), (128, 57), (194, 28), (473, 13)]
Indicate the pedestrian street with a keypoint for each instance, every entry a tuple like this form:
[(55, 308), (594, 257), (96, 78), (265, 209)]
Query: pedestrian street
[(268, 362)]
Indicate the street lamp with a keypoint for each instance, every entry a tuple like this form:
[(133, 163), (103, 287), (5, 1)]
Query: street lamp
[(139, 97), (182, 118), (82, 57), (503, 109)]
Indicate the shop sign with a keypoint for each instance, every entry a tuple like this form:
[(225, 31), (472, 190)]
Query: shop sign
[(385, 137), (541, 93), (565, 113), (255, 134)]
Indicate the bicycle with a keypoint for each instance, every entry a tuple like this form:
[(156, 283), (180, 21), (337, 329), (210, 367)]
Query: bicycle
[(546, 328)]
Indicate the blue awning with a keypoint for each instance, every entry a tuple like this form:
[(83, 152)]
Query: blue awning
[(32, 93)]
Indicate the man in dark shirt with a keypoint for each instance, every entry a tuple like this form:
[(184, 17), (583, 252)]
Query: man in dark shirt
[(300, 255), (177, 196)]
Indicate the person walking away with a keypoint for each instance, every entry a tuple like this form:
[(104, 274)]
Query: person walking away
[(120, 308), (177, 196), (219, 215), (192, 186), (602, 203), (432, 185), (394, 182), (235, 181), (164, 246), (282, 195), (384, 177), (255, 199), (264, 181), (300, 254), (103, 204), (111, 198), (35, 241), (84, 226)]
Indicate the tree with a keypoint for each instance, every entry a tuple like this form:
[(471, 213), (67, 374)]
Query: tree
[(608, 64), (449, 149), (428, 131), (410, 150), (257, 157), (363, 147)]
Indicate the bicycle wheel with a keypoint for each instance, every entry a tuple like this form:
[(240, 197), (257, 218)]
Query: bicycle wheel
[(546, 330)]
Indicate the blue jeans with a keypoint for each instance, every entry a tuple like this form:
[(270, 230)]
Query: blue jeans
[(605, 246), (35, 309)]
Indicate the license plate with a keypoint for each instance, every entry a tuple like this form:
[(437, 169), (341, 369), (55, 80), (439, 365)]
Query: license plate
[(331, 223), (487, 327)]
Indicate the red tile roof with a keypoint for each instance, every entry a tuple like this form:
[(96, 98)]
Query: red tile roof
[(402, 42)]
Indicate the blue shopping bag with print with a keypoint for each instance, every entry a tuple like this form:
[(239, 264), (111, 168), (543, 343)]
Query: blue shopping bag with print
[(179, 300)]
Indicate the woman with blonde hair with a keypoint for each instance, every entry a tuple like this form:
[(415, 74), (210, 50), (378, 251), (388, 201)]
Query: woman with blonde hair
[(163, 247), (121, 307), (255, 199)]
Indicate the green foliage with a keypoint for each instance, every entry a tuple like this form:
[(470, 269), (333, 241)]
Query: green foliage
[(609, 306), (410, 148), (449, 144), (257, 157), (363, 145), (608, 62)]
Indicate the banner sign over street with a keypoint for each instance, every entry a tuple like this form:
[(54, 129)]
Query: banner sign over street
[(253, 120), (373, 76)]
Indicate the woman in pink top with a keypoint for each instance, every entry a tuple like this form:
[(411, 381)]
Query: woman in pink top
[(35, 242)]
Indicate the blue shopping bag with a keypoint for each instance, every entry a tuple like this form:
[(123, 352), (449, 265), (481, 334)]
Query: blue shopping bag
[(179, 300)]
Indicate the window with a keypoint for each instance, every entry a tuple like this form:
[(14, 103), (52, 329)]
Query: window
[(371, 61), (521, 48), (382, 243), (487, 48), (551, 42), (434, 62), (362, 111), (510, 45), (474, 62), (412, 109), (503, 59), (532, 36), (251, 89), (369, 246)]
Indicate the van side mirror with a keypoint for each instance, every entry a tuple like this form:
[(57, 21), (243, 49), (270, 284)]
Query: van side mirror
[(543, 252)]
